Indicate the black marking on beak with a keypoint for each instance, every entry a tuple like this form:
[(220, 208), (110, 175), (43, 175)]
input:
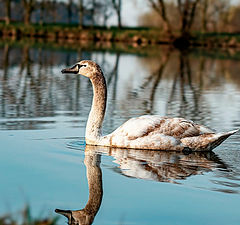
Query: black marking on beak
[(66, 213), (73, 69)]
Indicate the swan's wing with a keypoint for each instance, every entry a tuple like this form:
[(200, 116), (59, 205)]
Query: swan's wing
[(146, 125)]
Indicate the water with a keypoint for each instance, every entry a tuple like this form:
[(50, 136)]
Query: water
[(42, 123)]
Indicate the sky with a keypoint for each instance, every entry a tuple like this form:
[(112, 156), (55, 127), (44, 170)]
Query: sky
[(132, 9)]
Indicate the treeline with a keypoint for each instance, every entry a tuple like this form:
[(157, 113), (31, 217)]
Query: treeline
[(173, 17), (82, 12), (183, 23), (185, 16)]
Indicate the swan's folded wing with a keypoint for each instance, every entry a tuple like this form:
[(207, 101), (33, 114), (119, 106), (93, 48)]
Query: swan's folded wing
[(149, 125)]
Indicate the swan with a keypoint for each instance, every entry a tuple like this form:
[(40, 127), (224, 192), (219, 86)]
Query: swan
[(144, 132)]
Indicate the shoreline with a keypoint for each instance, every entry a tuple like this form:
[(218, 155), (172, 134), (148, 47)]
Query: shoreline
[(131, 36)]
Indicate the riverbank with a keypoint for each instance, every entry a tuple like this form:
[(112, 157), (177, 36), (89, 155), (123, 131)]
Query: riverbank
[(141, 36), (119, 47), (72, 33)]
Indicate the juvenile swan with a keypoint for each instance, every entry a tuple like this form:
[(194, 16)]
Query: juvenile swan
[(144, 132)]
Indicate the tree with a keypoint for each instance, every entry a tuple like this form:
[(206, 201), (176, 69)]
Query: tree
[(42, 9), (81, 13), (107, 11), (53, 10), (93, 10), (186, 13), (214, 14), (28, 9), (8, 11), (160, 8), (204, 7), (187, 10), (69, 11), (117, 5)]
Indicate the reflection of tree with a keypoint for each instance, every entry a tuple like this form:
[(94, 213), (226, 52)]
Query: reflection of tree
[(155, 78), (32, 86), (187, 107), (29, 85), (113, 75), (4, 78), (5, 61), (86, 215)]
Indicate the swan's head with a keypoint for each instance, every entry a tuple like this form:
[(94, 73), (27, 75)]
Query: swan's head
[(77, 217), (86, 68)]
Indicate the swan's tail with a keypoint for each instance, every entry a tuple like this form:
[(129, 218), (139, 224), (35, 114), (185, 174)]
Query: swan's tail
[(206, 142)]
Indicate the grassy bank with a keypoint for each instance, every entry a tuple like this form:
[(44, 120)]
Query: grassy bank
[(72, 34)]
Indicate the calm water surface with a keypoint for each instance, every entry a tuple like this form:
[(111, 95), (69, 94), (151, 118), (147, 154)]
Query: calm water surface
[(42, 123)]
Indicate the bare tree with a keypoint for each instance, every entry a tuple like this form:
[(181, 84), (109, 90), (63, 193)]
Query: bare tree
[(8, 11), (99, 9), (117, 5), (93, 10), (186, 11), (160, 7), (53, 9), (107, 11), (42, 10), (214, 14), (28, 9), (204, 7), (80, 13), (69, 11)]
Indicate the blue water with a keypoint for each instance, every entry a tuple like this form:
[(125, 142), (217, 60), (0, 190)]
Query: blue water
[(42, 120)]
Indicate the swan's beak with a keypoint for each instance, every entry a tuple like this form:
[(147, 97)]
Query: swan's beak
[(66, 213), (73, 69)]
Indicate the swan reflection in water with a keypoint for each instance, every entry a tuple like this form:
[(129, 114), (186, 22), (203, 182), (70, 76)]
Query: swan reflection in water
[(162, 166), (142, 164), (86, 215)]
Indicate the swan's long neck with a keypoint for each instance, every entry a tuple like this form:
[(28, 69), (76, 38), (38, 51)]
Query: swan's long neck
[(96, 115)]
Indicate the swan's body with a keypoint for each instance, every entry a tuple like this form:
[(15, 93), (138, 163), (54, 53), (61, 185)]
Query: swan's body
[(145, 132)]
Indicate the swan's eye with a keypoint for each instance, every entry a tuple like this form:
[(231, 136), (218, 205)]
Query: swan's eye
[(79, 66)]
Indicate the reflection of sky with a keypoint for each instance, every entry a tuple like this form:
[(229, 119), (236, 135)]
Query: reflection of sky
[(48, 175)]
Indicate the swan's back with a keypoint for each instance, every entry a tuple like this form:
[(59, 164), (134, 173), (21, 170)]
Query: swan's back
[(163, 133), (150, 124)]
